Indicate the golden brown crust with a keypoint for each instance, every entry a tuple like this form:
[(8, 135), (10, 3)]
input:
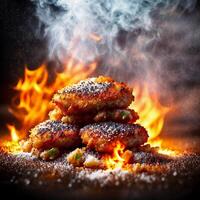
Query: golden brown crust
[(116, 115), (51, 133), (103, 136), (93, 94)]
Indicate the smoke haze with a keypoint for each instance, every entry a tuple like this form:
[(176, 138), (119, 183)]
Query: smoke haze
[(70, 24), (153, 41)]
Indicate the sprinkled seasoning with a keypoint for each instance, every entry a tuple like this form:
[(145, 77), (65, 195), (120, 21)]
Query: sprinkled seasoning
[(53, 126), (87, 87), (113, 129)]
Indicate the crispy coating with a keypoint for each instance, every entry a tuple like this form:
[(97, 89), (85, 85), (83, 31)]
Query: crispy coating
[(49, 134), (47, 155), (56, 114), (116, 115), (85, 158), (93, 94), (103, 136)]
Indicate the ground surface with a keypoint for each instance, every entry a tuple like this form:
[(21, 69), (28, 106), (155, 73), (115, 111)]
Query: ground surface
[(156, 177)]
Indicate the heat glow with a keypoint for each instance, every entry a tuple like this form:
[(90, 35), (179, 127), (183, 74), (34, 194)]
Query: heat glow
[(152, 116), (31, 106), (115, 160)]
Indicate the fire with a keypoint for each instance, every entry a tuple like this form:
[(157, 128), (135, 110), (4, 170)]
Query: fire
[(152, 116), (151, 112), (13, 133), (116, 160), (31, 105), (11, 145), (163, 150), (35, 93)]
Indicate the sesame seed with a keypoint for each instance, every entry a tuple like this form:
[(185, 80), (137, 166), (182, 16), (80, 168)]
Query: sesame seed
[(87, 87), (113, 129), (53, 126)]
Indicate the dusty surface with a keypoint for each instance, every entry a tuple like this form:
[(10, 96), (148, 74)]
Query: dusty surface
[(156, 176)]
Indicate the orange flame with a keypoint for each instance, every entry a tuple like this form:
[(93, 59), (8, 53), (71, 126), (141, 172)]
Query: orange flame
[(151, 112), (163, 150), (31, 105), (152, 116), (35, 93), (11, 145), (115, 160), (13, 133)]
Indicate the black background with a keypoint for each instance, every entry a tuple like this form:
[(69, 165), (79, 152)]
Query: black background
[(20, 43)]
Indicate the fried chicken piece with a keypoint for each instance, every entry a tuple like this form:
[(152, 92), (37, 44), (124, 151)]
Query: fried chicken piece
[(117, 115), (51, 134), (92, 95), (103, 136)]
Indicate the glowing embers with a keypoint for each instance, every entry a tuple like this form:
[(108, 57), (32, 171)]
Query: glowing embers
[(34, 93), (11, 144), (162, 149)]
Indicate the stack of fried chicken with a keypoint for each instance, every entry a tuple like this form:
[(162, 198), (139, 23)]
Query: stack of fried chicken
[(90, 118)]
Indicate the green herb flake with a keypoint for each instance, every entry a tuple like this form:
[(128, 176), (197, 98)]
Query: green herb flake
[(53, 152), (78, 156), (124, 114)]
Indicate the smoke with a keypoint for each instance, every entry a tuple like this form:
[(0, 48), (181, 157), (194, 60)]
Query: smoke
[(70, 24), (156, 41)]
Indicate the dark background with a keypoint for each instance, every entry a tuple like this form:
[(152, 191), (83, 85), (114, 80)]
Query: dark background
[(20, 42), (22, 45)]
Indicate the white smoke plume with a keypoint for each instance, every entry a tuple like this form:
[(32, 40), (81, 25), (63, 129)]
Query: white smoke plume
[(70, 25), (152, 41)]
